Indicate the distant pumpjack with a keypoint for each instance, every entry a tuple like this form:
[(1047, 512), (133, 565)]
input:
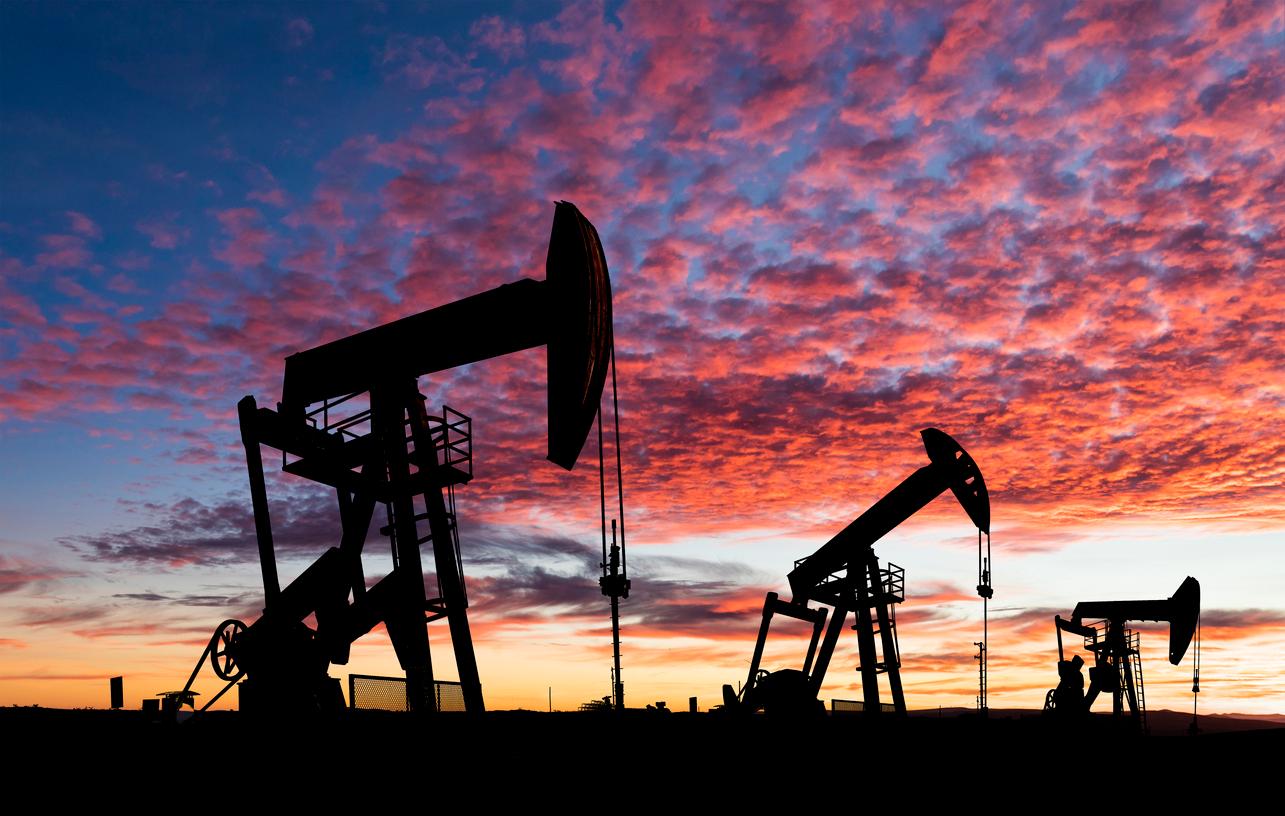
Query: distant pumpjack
[(1117, 668), (396, 454), (845, 574)]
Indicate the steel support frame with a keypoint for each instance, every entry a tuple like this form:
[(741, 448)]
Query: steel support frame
[(399, 599), (863, 593), (773, 605), (866, 596)]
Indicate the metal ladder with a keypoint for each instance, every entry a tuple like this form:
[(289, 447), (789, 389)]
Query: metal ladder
[(1137, 681)]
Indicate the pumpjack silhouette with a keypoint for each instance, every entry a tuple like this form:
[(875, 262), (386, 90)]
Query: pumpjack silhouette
[(845, 575), (1117, 669), (351, 417)]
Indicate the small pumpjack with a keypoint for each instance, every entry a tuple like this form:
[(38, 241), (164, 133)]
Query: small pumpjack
[(1117, 668), (845, 574), (351, 417)]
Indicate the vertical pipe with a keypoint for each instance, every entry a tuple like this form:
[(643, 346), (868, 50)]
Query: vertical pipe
[(615, 646), (615, 620), (985, 649)]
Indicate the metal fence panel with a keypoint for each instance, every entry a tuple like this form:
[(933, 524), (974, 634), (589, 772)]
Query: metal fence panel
[(367, 691), (857, 707)]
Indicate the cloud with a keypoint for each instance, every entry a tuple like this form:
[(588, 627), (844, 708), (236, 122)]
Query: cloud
[(163, 232), (1054, 235), (18, 575), (1231, 624), (64, 252), (298, 32), (542, 577), (84, 226), (423, 62), (60, 615), (53, 677), (508, 40), (247, 241), (194, 533), (219, 601)]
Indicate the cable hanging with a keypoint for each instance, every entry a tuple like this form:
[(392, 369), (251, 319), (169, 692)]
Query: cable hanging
[(615, 577), (620, 479), (1195, 683), (602, 491)]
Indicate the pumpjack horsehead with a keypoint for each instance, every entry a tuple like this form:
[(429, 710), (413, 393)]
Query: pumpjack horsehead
[(394, 453), (845, 575)]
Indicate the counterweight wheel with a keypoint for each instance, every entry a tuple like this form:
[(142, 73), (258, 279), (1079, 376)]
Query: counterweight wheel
[(221, 658)]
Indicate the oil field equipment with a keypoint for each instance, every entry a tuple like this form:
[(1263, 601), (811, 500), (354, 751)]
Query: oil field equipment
[(1117, 668), (352, 417), (846, 575)]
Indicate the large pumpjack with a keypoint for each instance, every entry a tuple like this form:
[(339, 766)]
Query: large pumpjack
[(845, 575), (351, 417), (1117, 668)]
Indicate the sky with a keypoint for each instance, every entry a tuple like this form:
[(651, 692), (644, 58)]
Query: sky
[(1052, 230)]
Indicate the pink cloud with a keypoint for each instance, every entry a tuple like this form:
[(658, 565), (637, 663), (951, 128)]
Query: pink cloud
[(506, 39), (84, 226), (275, 196), (246, 239), (64, 252)]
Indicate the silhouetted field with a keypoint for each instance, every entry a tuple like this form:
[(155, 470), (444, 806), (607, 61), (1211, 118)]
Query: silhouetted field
[(746, 752)]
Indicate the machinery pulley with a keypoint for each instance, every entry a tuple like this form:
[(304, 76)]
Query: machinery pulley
[(220, 650)]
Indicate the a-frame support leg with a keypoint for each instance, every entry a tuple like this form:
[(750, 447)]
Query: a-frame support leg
[(888, 638), (866, 640), (406, 623), (769, 609), (333, 620), (838, 618), (446, 557), (259, 499), (1130, 689)]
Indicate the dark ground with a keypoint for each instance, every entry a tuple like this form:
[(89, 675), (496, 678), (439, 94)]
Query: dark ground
[(951, 749)]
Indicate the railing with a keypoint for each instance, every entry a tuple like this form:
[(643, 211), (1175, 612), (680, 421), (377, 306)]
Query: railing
[(452, 435), (342, 426), (892, 582), (1091, 641)]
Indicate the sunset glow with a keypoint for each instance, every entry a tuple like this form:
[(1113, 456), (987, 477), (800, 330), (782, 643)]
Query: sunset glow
[(1053, 230)]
